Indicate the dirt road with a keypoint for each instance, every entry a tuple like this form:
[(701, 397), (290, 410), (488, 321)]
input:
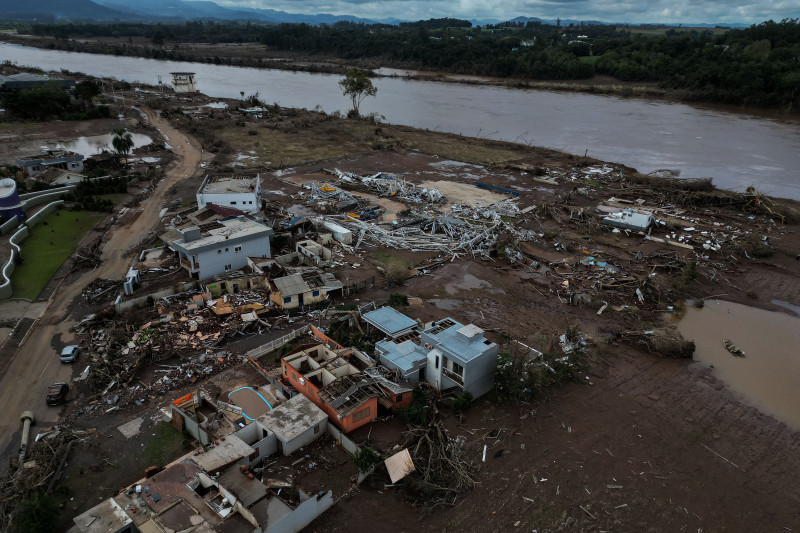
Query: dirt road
[(35, 364)]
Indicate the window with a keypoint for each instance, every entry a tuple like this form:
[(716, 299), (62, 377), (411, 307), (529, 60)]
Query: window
[(316, 429), (227, 250), (458, 369), (227, 268), (285, 371), (233, 203), (294, 376), (399, 398), (361, 415), (219, 251), (436, 365), (254, 455), (287, 299), (237, 249), (315, 293)]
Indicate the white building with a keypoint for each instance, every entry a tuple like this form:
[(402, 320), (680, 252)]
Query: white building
[(65, 159), (221, 246), (241, 192), (183, 82)]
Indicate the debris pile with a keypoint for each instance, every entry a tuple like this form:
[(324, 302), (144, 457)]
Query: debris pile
[(388, 185)]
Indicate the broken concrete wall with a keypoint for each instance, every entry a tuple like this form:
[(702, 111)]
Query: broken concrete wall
[(190, 425), (303, 514), (343, 439), (261, 440), (142, 300)]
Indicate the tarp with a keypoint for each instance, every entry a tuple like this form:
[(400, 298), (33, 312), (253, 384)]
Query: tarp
[(399, 465)]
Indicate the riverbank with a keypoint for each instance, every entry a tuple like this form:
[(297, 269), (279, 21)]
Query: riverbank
[(258, 56)]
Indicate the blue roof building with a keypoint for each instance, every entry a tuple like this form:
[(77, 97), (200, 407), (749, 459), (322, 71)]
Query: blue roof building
[(446, 354)]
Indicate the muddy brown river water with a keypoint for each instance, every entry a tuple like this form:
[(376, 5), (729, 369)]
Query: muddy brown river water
[(768, 375), (735, 149)]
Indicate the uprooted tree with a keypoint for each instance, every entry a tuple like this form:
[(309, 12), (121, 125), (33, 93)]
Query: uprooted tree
[(357, 86), (443, 472)]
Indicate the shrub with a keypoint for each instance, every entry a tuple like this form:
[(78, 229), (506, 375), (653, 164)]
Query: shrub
[(397, 299), (366, 458), (462, 402)]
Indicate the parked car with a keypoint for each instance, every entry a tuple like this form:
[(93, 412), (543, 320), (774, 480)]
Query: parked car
[(70, 353), (57, 393)]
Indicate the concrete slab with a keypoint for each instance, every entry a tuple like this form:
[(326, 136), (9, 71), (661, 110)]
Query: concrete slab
[(130, 429)]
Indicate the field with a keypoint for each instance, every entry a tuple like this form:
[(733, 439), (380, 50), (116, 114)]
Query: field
[(48, 246)]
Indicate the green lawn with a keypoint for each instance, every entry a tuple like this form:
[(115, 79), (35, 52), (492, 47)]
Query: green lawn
[(47, 247), (164, 447)]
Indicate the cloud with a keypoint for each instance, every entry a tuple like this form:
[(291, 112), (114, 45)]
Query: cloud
[(634, 11)]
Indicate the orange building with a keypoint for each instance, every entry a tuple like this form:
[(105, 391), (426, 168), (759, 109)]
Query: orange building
[(344, 383)]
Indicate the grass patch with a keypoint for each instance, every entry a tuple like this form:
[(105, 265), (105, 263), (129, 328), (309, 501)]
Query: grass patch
[(47, 247), (163, 447)]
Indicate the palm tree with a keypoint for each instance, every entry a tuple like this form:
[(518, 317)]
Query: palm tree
[(122, 142)]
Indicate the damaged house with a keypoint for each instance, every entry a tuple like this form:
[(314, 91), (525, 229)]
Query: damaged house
[(344, 383), (240, 192), (445, 353), (220, 246), (63, 159), (308, 288)]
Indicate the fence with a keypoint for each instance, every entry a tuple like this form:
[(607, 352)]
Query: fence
[(9, 225), (264, 349), (5, 288)]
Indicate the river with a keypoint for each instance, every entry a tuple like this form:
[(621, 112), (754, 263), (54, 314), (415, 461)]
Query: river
[(735, 149)]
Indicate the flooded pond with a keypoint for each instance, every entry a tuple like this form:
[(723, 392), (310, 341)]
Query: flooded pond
[(87, 146), (768, 375)]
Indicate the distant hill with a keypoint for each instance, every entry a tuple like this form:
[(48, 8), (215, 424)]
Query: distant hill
[(187, 10), (57, 10)]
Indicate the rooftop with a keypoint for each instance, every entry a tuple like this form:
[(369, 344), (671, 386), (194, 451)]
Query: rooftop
[(389, 321), (229, 184), (107, 516), (464, 342), (221, 230), (168, 485), (52, 154), (225, 453), (292, 418), (249, 491), (291, 285), (404, 355)]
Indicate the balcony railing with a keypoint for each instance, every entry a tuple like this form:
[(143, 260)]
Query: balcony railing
[(188, 264), (452, 375)]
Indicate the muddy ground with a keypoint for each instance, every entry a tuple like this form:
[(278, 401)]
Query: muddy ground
[(636, 442)]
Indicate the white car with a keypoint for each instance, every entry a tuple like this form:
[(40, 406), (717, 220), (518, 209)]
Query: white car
[(70, 353)]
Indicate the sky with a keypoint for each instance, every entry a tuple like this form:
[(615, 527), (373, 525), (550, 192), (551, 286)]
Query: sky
[(677, 11)]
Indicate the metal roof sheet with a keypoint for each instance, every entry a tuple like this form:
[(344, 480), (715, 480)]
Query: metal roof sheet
[(389, 321), (291, 285)]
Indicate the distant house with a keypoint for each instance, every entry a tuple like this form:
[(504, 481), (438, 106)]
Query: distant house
[(445, 354), (295, 290), (220, 246), (240, 192), (344, 383), (64, 159), (54, 176), (25, 81)]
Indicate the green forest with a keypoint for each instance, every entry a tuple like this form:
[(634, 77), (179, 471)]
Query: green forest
[(758, 66)]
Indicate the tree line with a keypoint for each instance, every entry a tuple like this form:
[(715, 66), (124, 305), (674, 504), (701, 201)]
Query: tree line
[(759, 65)]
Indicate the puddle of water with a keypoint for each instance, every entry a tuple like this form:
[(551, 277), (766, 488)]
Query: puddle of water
[(767, 377), (469, 282), (87, 146), (445, 304)]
